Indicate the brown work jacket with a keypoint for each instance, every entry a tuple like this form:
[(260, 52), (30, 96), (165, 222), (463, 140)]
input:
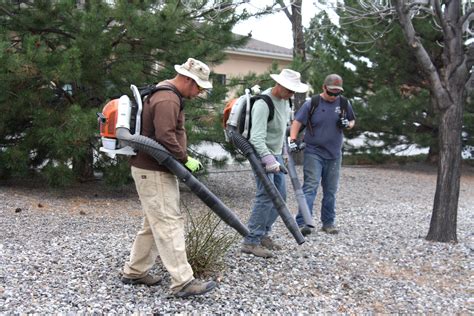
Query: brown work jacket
[(163, 121)]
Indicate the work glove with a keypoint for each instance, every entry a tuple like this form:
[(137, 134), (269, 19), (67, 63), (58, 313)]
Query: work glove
[(255, 89), (296, 145), (343, 123), (285, 158), (271, 164), (193, 165)]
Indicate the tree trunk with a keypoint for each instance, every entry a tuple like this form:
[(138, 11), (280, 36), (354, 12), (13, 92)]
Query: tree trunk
[(448, 87), (444, 217), (299, 52), (299, 47), (433, 153)]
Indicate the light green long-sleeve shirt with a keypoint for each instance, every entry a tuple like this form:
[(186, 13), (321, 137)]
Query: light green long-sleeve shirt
[(268, 137)]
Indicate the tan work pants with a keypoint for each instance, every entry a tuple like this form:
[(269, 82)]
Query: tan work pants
[(162, 231)]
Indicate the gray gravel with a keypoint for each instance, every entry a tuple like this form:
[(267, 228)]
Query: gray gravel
[(62, 252)]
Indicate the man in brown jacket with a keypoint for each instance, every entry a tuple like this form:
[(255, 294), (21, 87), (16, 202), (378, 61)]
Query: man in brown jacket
[(162, 232)]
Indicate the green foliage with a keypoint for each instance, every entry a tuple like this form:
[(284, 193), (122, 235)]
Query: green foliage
[(57, 174), (60, 62), (381, 77), (13, 162), (328, 53), (116, 172), (207, 243), (395, 122)]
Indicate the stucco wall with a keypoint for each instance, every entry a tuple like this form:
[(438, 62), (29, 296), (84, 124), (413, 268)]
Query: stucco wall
[(238, 65)]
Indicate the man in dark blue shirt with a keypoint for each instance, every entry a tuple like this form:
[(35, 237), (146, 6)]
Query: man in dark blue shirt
[(325, 121)]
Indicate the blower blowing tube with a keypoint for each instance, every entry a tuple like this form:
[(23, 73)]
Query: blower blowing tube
[(162, 155), (299, 194), (247, 149)]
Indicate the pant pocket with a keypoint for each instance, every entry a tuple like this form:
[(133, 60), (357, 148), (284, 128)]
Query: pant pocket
[(145, 183)]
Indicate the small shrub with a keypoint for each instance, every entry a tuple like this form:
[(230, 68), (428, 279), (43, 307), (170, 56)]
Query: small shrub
[(206, 243)]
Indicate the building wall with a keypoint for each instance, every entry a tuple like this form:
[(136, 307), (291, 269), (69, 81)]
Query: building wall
[(239, 65)]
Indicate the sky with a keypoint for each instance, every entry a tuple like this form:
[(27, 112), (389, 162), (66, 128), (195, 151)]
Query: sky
[(275, 28)]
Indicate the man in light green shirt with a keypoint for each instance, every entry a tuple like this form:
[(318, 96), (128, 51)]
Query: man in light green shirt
[(267, 137)]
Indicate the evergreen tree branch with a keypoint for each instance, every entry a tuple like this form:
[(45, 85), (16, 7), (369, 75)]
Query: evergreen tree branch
[(51, 30), (4, 10)]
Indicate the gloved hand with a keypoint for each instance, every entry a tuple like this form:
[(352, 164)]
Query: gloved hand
[(343, 123), (193, 165), (285, 159), (255, 89), (296, 145), (271, 164)]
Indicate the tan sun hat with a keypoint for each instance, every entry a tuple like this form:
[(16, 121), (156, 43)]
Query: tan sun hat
[(333, 82), (196, 70), (291, 80)]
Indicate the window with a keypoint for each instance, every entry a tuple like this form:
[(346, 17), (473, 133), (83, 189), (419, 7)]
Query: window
[(220, 79)]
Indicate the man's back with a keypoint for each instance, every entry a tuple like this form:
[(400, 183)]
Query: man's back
[(162, 120)]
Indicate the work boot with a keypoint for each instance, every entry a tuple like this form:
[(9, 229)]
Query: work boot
[(268, 243), (330, 229), (305, 231), (195, 287), (147, 280), (256, 250)]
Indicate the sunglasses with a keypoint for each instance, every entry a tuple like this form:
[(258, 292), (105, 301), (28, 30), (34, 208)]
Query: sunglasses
[(290, 91), (200, 89), (333, 94)]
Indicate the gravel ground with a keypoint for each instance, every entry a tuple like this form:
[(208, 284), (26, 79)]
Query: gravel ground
[(62, 252)]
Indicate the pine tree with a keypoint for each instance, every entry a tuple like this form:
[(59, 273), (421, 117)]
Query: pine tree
[(61, 62), (444, 70), (392, 100)]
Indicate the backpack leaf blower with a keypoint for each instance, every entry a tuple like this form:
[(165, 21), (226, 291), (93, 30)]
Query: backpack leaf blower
[(123, 114), (247, 149)]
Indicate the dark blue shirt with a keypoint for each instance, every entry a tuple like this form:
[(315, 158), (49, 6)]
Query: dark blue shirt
[(326, 137)]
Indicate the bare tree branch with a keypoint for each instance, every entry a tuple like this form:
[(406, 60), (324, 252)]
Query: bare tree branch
[(285, 9), (468, 15), (465, 20), (415, 43)]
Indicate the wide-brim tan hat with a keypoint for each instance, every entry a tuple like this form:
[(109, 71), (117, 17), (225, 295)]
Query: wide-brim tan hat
[(196, 70), (291, 80)]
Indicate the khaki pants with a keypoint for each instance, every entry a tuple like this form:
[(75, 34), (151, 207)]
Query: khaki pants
[(162, 232)]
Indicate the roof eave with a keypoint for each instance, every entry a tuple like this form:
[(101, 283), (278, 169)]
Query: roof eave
[(254, 53)]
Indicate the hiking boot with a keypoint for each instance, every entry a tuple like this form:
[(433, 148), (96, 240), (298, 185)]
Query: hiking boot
[(256, 250), (147, 280), (305, 231), (268, 243), (330, 229), (195, 287)]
